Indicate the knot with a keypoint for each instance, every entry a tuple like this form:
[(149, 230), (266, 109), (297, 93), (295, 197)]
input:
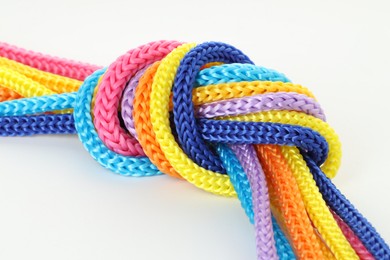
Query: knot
[(151, 111), (135, 71), (204, 113), (191, 155)]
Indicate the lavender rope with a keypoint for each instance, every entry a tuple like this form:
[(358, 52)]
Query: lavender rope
[(262, 102), (265, 241), (127, 102)]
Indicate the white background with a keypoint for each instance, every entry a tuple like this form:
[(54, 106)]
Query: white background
[(56, 202)]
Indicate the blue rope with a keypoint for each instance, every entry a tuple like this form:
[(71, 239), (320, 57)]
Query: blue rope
[(234, 132), (211, 130), (39, 124), (183, 110)]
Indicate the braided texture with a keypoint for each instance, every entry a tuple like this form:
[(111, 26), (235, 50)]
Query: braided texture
[(110, 91), (207, 115), (67, 68)]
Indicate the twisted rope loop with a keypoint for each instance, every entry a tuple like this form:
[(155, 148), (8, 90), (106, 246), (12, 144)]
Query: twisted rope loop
[(206, 114)]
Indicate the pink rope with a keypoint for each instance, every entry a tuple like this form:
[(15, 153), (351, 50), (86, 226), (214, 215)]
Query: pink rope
[(110, 91), (67, 68), (355, 242)]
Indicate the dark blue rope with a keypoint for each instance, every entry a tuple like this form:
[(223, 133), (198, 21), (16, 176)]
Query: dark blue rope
[(210, 130), (233, 132), (184, 117), (351, 216), (38, 124)]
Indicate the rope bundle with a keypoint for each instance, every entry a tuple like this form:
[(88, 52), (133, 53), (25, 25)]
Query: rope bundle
[(204, 113)]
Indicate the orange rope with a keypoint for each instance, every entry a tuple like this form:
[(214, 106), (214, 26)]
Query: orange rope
[(287, 198), (143, 125)]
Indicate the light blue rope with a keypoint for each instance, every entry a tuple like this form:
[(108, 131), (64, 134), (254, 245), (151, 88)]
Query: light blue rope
[(218, 74), (34, 105), (237, 72), (125, 165)]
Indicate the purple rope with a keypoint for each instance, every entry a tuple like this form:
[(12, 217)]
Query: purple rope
[(128, 100), (265, 241), (262, 102)]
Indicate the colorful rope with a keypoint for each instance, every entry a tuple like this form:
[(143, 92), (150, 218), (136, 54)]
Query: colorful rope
[(206, 114)]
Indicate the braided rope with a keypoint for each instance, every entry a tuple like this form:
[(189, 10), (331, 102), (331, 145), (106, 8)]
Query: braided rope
[(110, 91), (39, 124), (237, 72), (124, 165), (316, 207), (144, 128), (183, 111), (21, 84), (128, 100), (67, 68), (357, 245), (29, 106), (264, 102), (256, 204), (246, 154), (347, 212), (56, 83), (289, 202), (333, 161), (7, 94), (238, 104)]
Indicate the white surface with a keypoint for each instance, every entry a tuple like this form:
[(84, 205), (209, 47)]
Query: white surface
[(56, 202)]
